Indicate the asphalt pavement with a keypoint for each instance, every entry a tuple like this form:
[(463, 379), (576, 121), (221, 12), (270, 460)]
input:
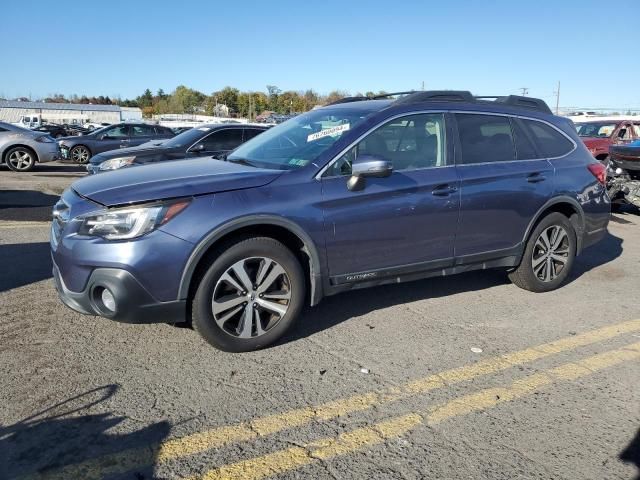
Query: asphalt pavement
[(458, 377)]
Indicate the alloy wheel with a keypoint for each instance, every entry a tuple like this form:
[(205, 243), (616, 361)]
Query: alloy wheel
[(550, 253), (80, 154), (21, 160), (251, 297)]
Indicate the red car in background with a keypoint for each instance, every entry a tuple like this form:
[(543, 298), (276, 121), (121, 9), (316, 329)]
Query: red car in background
[(598, 134)]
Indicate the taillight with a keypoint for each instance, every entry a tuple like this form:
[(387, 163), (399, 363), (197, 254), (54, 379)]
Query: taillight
[(599, 171)]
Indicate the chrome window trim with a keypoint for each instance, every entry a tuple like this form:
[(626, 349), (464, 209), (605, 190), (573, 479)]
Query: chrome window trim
[(522, 117), (318, 175)]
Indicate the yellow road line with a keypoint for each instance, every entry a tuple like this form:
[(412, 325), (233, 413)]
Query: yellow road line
[(349, 442), (95, 469)]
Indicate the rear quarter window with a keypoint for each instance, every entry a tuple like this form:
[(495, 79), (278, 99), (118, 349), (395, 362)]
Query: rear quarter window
[(550, 142)]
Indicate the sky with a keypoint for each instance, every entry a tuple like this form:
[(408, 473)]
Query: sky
[(120, 48)]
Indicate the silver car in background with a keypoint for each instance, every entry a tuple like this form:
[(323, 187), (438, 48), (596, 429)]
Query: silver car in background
[(20, 148)]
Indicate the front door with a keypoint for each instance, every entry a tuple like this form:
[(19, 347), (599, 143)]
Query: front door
[(399, 224), (114, 137)]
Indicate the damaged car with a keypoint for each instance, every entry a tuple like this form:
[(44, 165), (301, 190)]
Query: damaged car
[(623, 174)]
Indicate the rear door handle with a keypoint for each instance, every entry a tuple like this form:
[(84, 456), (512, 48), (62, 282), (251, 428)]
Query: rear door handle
[(536, 178), (444, 190)]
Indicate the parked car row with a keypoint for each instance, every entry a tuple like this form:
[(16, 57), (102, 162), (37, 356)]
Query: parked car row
[(208, 140)]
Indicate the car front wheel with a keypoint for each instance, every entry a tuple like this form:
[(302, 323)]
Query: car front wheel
[(80, 154), (250, 295), (548, 256)]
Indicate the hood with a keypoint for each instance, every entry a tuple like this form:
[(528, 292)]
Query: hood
[(595, 141), (145, 148), (182, 178)]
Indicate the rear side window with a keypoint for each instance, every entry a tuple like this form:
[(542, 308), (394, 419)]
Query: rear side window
[(143, 131), (485, 138), (223, 140), (249, 133), (550, 142), (524, 147)]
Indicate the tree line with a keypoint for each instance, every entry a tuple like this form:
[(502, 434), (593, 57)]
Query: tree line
[(240, 103)]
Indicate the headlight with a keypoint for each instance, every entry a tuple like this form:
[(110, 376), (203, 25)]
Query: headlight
[(132, 222), (116, 163), (45, 139)]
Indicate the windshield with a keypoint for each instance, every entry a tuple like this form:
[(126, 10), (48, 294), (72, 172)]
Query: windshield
[(297, 142), (595, 129), (188, 138)]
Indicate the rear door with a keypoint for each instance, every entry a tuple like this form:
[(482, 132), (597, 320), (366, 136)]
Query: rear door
[(141, 134), (504, 181), (113, 138)]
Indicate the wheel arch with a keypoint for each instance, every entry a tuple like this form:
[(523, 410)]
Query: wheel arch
[(570, 208), (289, 233), (15, 145)]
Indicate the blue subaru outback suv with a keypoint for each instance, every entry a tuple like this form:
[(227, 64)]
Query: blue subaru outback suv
[(361, 192)]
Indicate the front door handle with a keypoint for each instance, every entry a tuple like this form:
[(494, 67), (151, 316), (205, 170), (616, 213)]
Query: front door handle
[(536, 178), (444, 190)]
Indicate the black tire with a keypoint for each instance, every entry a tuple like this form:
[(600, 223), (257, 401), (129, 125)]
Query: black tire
[(82, 152), (203, 319), (16, 157), (525, 277)]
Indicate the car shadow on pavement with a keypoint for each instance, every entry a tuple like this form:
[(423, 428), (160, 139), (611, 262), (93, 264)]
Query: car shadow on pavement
[(23, 264), (339, 308), (603, 252), (65, 435), (26, 205), (631, 454)]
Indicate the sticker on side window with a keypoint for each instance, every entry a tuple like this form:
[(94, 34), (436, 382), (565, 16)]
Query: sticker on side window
[(329, 132)]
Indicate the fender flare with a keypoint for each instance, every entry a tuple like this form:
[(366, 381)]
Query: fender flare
[(255, 220), (555, 201)]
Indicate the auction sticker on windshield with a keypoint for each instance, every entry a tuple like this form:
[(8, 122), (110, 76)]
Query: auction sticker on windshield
[(329, 132)]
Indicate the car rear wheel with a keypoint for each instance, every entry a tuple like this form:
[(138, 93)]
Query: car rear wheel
[(548, 256), (80, 154), (20, 159), (249, 296)]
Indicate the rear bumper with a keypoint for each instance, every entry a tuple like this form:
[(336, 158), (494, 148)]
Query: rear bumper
[(133, 303), (49, 154)]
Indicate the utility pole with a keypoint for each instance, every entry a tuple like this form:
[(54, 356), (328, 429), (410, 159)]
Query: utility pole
[(557, 92), (423, 85), (524, 90)]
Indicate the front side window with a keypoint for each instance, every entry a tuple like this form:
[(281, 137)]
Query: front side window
[(550, 141), (300, 140), (410, 143), (223, 140), (485, 138)]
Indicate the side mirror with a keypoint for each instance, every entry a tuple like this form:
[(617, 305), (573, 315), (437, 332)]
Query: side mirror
[(197, 148), (368, 166)]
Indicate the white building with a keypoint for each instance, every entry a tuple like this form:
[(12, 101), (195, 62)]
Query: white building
[(70, 113)]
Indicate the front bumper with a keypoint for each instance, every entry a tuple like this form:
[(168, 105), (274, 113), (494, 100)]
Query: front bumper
[(133, 303)]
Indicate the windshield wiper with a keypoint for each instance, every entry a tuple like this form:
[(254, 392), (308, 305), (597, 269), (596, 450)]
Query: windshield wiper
[(240, 161)]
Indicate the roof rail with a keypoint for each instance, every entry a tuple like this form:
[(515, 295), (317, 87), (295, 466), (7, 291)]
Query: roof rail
[(524, 102), (437, 96), (456, 96)]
